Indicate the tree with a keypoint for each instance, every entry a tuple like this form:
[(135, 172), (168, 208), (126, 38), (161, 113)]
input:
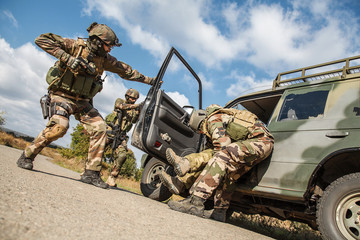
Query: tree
[(2, 118), (79, 146)]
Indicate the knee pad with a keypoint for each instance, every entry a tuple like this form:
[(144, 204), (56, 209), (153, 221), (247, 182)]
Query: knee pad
[(55, 132)]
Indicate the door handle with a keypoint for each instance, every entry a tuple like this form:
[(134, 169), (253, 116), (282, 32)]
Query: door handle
[(337, 134)]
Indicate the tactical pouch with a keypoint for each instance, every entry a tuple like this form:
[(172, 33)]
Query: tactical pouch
[(96, 87), (52, 74), (45, 105), (236, 131)]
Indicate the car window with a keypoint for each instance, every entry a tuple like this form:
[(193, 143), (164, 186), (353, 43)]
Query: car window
[(305, 105), (180, 85)]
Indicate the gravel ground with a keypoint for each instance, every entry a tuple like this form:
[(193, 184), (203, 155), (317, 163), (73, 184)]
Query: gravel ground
[(51, 203)]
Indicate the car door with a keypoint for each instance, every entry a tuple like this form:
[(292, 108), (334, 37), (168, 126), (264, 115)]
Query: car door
[(163, 121)]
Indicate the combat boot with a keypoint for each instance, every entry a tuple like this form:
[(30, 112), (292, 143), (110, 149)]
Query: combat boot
[(93, 177), (111, 181), (218, 214), (25, 162), (181, 165), (174, 184), (192, 205)]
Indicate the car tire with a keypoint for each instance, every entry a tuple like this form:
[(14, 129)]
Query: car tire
[(338, 211), (150, 184)]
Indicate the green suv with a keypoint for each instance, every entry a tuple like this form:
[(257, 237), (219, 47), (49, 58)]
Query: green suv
[(313, 174)]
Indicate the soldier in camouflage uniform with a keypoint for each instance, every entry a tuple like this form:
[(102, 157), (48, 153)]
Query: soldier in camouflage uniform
[(240, 141), (129, 114), (73, 81)]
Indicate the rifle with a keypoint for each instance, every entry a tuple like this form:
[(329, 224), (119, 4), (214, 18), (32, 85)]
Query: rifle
[(117, 133)]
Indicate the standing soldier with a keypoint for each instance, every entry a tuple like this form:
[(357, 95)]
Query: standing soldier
[(73, 82), (129, 114), (240, 140)]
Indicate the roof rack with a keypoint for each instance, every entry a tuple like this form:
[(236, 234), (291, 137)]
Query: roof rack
[(326, 70)]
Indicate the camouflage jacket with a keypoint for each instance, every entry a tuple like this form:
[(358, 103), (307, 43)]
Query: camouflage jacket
[(130, 114), (56, 45)]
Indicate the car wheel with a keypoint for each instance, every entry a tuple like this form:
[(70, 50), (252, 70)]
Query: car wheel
[(150, 185), (338, 211)]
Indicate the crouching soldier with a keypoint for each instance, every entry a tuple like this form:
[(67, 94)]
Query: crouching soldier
[(240, 141)]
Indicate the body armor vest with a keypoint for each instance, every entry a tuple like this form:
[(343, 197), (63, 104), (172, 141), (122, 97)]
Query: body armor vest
[(238, 128), (78, 84)]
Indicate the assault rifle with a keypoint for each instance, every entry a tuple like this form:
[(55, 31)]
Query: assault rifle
[(117, 136), (85, 65)]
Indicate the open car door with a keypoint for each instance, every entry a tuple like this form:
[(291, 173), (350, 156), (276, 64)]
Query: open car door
[(163, 123), (164, 120)]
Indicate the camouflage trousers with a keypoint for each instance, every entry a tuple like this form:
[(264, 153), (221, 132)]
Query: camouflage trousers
[(120, 154), (58, 125), (227, 166), (197, 163)]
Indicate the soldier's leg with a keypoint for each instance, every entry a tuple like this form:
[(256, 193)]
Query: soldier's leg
[(55, 128), (120, 158), (236, 159), (199, 160), (197, 163), (190, 163), (95, 126), (120, 153)]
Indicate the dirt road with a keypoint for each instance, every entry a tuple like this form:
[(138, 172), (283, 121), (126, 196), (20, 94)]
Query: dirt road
[(51, 203)]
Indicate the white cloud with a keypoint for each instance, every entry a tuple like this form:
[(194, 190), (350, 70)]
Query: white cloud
[(269, 36), (22, 83), (246, 84), (179, 98), (11, 17)]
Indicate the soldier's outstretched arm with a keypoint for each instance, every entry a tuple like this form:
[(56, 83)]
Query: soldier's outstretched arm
[(125, 71)]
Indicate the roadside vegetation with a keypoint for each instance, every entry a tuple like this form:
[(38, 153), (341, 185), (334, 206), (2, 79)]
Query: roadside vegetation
[(74, 157)]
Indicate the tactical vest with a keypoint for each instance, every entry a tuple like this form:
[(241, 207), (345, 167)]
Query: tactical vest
[(238, 128), (83, 85), (129, 117)]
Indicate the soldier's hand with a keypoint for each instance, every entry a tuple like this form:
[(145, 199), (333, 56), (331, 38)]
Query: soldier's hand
[(73, 63)]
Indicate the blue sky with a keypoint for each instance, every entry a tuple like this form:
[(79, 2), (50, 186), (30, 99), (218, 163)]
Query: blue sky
[(232, 45)]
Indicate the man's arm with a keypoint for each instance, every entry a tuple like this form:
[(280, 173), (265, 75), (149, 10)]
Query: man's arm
[(125, 71), (61, 48), (218, 133)]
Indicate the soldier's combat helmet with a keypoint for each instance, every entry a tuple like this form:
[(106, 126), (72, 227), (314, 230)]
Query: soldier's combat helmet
[(132, 93), (212, 108), (196, 118), (104, 33)]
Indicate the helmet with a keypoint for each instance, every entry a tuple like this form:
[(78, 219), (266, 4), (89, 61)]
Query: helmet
[(132, 93), (212, 108), (103, 32), (196, 118)]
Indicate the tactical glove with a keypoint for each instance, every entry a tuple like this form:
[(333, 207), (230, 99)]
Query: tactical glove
[(69, 60), (73, 63)]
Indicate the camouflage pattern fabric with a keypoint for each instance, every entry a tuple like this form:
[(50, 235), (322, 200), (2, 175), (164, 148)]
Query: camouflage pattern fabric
[(120, 157), (130, 114), (57, 126), (58, 47), (232, 161), (197, 163)]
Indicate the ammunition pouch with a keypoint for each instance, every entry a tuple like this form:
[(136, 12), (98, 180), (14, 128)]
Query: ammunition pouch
[(84, 85), (45, 105), (236, 131)]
